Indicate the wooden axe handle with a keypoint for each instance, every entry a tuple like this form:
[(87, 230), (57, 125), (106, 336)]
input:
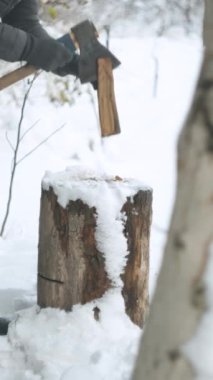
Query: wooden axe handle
[(16, 75), (108, 113)]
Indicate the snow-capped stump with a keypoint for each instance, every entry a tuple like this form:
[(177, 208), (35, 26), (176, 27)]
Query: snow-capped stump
[(94, 237)]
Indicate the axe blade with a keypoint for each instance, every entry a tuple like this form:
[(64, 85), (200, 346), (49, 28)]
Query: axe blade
[(85, 35)]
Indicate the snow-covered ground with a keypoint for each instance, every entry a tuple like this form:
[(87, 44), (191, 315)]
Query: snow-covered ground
[(153, 87)]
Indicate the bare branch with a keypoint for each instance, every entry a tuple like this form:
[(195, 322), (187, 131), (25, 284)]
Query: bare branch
[(9, 142), (92, 100), (14, 165), (28, 130), (41, 143)]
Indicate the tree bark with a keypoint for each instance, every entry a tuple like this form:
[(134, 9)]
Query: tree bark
[(179, 300), (71, 269), (136, 274)]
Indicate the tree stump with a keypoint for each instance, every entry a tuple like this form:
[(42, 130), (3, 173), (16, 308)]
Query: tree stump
[(86, 224)]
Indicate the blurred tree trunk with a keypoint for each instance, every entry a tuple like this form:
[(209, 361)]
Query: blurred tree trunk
[(179, 300)]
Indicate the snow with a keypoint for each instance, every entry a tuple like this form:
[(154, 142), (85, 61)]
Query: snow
[(75, 343), (52, 344), (201, 344)]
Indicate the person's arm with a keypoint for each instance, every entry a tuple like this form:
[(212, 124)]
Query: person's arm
[(12, 43), (46, 53), (23, 38), (25, 16)]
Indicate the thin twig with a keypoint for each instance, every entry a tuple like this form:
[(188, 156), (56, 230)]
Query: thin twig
[(156, 75), (28, 130), (14, 165), (9, 142), (92, 100), (156, 69), (107, 29), (41, 143), (22, 137)]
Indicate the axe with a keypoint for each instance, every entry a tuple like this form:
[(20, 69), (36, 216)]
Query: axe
[(96, 63)]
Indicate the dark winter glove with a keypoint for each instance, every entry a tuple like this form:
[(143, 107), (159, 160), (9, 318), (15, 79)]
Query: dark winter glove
[(47, 54), (72, 68), (24, 16)]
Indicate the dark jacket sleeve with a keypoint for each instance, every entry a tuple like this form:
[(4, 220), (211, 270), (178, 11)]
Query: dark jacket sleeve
[(12, 43), (15, 28), (25, 16), (23, 38)]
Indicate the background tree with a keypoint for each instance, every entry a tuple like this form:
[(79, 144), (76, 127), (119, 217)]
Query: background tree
[(180, 298), (126, 17)]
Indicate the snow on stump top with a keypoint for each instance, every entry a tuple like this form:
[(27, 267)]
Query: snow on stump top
[(94, 237)]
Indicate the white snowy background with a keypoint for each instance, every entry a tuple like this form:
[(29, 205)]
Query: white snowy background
[(52, 344)]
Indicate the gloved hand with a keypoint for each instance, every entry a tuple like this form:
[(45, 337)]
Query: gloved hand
[(47, 54), (72, 68)]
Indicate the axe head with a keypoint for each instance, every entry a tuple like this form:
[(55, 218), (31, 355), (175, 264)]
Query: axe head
[(85, 36)]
